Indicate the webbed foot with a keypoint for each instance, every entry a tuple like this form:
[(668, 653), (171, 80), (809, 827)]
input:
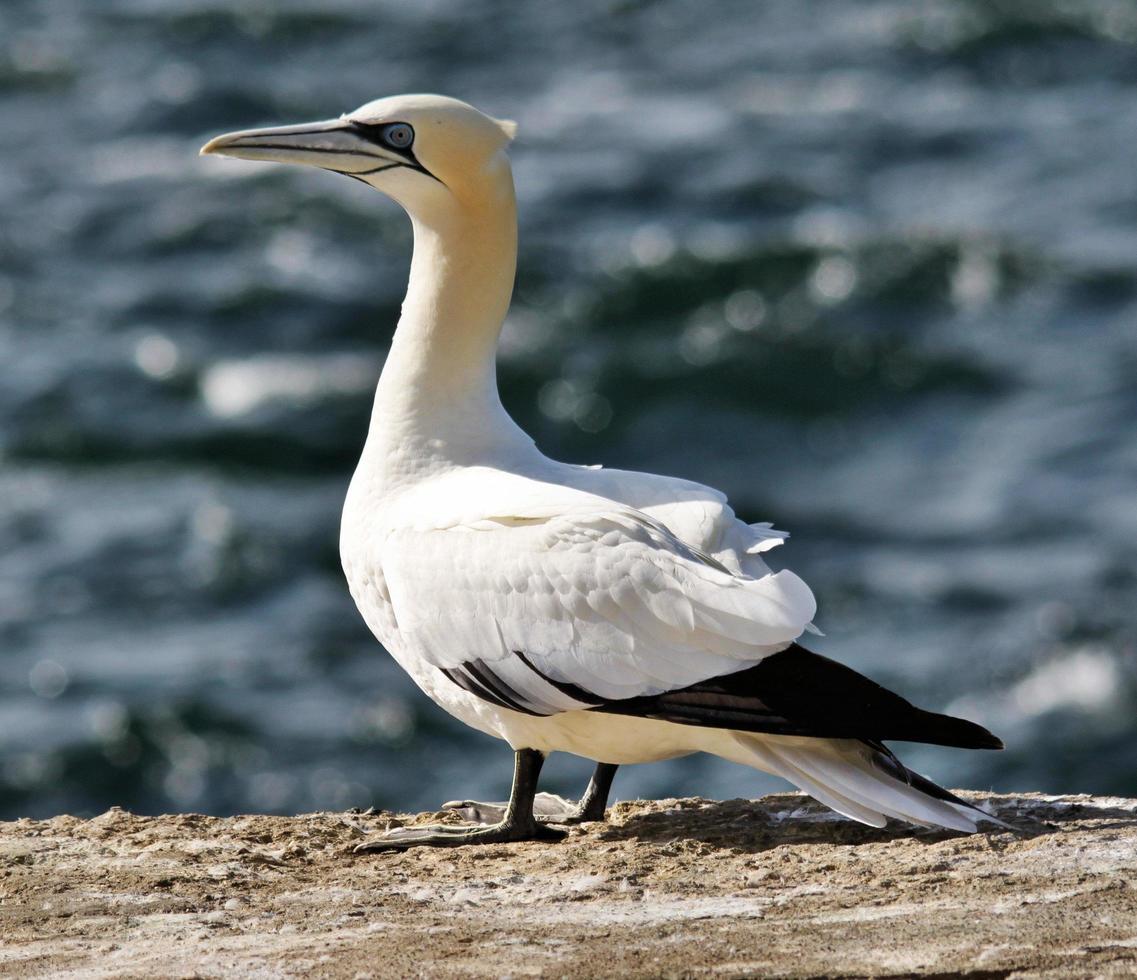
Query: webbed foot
[(516, 821), (547, 807)]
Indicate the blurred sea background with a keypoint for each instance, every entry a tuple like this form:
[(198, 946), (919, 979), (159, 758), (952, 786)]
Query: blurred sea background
[(869, 267)]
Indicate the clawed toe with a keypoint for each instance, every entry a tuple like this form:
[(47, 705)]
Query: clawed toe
[(400, 838), (569, 818), (474, 812), (445, 835)]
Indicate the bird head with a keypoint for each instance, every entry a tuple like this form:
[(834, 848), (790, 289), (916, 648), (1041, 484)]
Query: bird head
[(423, 151)]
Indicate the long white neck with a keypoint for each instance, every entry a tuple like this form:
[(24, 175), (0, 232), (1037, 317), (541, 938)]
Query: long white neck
[(438, 396)]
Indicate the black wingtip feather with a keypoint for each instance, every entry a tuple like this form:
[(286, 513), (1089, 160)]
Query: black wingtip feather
[(957, 732), (797, 692)]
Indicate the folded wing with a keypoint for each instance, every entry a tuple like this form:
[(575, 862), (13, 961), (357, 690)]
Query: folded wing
[(796, 692), (545, 612)]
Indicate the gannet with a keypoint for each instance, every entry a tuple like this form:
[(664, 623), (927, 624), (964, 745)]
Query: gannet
[(624, 617)]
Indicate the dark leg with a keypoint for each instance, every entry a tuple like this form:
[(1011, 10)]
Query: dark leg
[(517, 823), (595, 799), (549, 808)]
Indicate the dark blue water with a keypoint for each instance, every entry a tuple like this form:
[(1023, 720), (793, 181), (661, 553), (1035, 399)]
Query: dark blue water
[(871, 268)]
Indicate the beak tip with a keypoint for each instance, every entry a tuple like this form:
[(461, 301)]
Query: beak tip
[(310, 144)]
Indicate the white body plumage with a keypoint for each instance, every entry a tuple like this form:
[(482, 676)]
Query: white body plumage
[(473, 563), (521, 593)]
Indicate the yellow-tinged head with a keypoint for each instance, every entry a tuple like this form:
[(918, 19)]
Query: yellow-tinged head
[(417, 149)]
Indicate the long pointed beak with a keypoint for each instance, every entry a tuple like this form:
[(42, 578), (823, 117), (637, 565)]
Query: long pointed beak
[(334, 144)]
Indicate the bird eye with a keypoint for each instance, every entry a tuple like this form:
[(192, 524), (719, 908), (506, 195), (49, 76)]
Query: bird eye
[(398, 135)]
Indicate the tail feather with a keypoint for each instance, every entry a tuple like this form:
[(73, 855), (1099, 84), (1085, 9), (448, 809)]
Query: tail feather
[(885, 760), (858, 780), (896, 798), (807, 781)]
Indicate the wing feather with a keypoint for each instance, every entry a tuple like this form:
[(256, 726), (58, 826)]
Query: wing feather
[(605, 602)]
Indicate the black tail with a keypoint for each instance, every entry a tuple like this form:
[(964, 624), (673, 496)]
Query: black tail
[(796, 692)]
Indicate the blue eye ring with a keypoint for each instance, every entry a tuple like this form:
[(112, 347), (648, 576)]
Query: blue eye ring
[(398, 136)]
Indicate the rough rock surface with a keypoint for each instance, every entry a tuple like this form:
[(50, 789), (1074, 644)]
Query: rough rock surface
[(776, 887)]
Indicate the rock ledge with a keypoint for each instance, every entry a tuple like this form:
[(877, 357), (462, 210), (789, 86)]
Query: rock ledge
[(776, 887)]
